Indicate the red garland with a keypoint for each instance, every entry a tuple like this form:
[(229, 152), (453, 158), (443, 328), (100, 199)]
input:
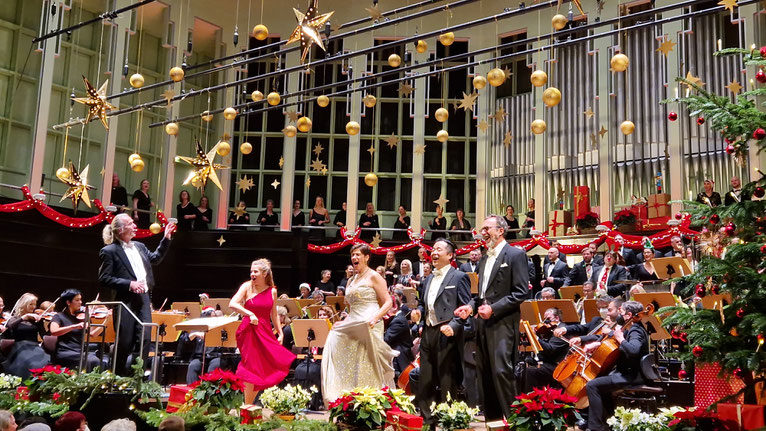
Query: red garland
[(72, 222)]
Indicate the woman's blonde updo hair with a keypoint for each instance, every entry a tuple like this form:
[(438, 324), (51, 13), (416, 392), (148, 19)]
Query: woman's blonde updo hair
[(265, 266), (113, 229)]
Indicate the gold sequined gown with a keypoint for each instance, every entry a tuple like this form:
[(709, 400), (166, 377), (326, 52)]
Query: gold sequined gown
[(355, 355)]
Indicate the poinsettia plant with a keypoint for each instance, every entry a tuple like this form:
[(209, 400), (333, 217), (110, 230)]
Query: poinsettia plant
[(366, 407), (543, 409), (586, 220), (624, 217), (289, 400), (453, 415), (695, 419), (219, 389)]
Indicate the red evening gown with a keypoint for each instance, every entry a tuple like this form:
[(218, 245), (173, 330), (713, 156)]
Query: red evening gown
[(264, 361)]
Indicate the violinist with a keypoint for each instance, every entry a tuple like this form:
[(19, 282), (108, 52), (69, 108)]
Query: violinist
[(24, 327), (4, 316), (633, 339), (68, 326), (589, 292), (582, 334), (554, 351)]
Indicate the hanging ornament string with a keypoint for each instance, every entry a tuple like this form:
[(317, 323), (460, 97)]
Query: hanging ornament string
[(66, 144), (82, 136)]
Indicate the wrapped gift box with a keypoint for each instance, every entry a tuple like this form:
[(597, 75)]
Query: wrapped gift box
[(177, 397), (498, 425), (659, 223), (709, 388), (658, 205), (558, 222), (250, 414), (746, 417), (581, 200), (400, 421), (640, 211)]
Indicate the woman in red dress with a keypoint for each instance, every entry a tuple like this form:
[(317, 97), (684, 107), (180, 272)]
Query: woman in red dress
[(264, 361)]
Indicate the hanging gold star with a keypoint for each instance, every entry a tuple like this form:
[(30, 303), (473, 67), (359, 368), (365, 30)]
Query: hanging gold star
[(275, 184), (204, 168), (483, 126), (239, 211), (729, 4), (336, 27), (392, 141), (694, 80), (455, 105), (245, 183), (589, 113), (376, 240), (220, 241), (96, 102), (308, 182), (666, 46), (593, 141), (499, 115), (281, 162), (168, 95), (309, 26), (442, 201), (324, 170), (600, 5), (405, 89), (507, 139), (103, 171), (317, 149), (374, 12), (78, 186), (734, 87), (507, 72), (371, 150), (420, 149), (466, 103), (317, 165), (293, 116), (602, 132)]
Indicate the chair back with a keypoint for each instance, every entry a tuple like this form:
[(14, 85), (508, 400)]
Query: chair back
[(49, 344), (649, 368), (5, 346)]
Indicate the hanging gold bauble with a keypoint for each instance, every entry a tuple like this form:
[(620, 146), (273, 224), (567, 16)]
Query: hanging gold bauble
[(304, 124), (137, 165), (256, 96), (136, 80), (394, 60), (245, 148), (538, 127), (551, 97), (479, 82), (447, 39), (229, 113), (421, 46), (627, 127), (196, 182), (323, 101), (207, 116), (619, 62), (62, 174), (442, 136), (260, 32), (539, 78), (155, 228), (369, 101), (559, 21), (171, 129), (290, 131), (134, 156), (223, 148), (496, 77), (177, 74), (352, 128), (273, 98), (441, 115), (371, 179)]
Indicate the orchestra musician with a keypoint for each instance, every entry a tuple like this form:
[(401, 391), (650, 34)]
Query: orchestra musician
[(589, 292), (598, 259), (581, 334), (581, 271), (605, 277), (677, 247), (68, 326), (735, 195), (554, 351), (4, 316), (24, 327), (190, 348), (398, 335), (547, 294)]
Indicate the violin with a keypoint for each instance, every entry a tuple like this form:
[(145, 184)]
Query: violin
[(45, 314), (545, 329), (404, 378), (95, 311)]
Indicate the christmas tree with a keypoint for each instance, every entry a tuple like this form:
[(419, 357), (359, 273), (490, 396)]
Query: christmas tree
[(732, 243)]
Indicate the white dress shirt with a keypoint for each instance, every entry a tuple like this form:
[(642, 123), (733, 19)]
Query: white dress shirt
[(136, 262), (433, 292), (491, 259)]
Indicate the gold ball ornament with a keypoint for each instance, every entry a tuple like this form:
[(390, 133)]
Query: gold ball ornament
[(273, 98), (62, 174), (304, 124), (479, 82), (619, 62), (371, 179), (137, 165), (394, 60), (290, 131), (177, 74), (496, 77), (207, 116), (627, 127), (134, 156), (442, 136), (229, 113), (559, 21), (551, 97), (136, 80), (256, 96), (539, 78), (421, 46), (441, 115), (245, 148), (369, 101), (352, 128), (155, 228), (171, 129), (323, 101), (538, 127), (447, 39), (260, 32), (223, 148)]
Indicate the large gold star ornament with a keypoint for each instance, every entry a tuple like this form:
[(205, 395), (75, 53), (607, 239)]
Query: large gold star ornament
[(318, 149), (309, 26), (204, 168), (239, 211), (729, 4), (293, 116), (466, 103), (694, 80), (96, 102), (275, 184), (245, 183), (734, 87), (376, 240), (483, 126), (666, 46), (374, 12), (392, 141), (220, 241), (308, 182), (78, 186), (281, 162), (589, 113), (420, 149), (507, 139), (406, 89), (499, 115), (442, 201), (602, 132), (317, 165), (371, 150)]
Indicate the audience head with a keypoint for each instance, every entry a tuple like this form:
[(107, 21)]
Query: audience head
[(442, 253), (648, 254), (184, 196), (460, 213), (552, 315), (319, 202), (547, 294), (587, 255), (115, 180), (708, 185), (531, 204), (120, 425), (611, 258), (509, 211), (326, 274), (242, 204), (260, 271), (269, 204), (370, 208), (405, 267), (553, 254), (619, 240), (71, 421), (7, 421), (676, 242), (26, 304), (340, 291), (360, 257), (390, 258), (145, 185), (422, 254), (122, 228), (493, 229), (427, 269), (381, 270), (439, 210), (343, 206), (593, 248), (72, 298), (349, 271), (297, 204), (402, 211), (204, 202), (475, 255), (736, 183), (172, 423), (588, 290)]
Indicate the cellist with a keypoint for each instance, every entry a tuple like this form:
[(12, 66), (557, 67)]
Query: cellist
[(580, 334), (554, 351), (634, 344)]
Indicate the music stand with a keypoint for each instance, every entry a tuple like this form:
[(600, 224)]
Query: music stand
[(311, 333), (653, 325), (474, 282), (671, 267), (223, 336), (530, 312), (338, 303), (293, 310), (191, 309), (167, 330), (590, 307), (571, 292), (657, 299), (567, 307), (204, 324), (303, 303), (715, 302), (411, 294), (218, 304), (313, 310)]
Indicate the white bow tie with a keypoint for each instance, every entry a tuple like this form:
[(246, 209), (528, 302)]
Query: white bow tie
[(438, 272)]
